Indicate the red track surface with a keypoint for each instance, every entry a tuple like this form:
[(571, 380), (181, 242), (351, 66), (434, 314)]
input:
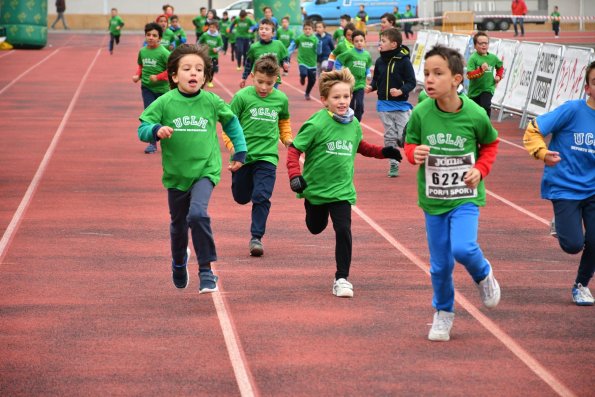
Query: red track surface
[(87, 306)]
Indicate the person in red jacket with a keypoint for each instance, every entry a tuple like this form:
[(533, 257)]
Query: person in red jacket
[(518, 8)]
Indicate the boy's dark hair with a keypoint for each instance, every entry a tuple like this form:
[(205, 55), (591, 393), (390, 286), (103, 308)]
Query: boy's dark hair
[(349, 26), (174, 17), (266, 21), (173, 62), (345, 17), (453, 58), (284, 18), (214, 22), (308, 22), (267, 65), (203, 8), (320, 23), (243, 13), (115, 9), (357, 33), (154, 26), (478, 35), (390, 18), (393, 35), (266, 8), (588, 71)]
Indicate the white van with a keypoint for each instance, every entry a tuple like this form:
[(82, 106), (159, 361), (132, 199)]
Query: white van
[(233, 10)]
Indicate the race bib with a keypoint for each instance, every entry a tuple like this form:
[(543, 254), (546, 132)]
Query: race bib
[(445, 174)]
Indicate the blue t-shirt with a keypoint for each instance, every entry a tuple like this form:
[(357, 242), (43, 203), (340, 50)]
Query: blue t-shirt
[(572, 126)]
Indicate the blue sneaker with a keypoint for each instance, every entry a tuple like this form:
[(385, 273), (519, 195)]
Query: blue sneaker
[(179, 273), (582, 296), (208, 282), (151, 148)]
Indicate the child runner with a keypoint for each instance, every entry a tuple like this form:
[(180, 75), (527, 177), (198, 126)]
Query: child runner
[(326, 46), (555, 17), (185, 120), (243, 37), (339, 34), (264, 115), (344, 45), (407, 27), (569, 178), (452, 140), (232, 39), (152, 61), (168, 38), (480, 72), (393, 79), (286, 36), (307, 46), (224, 25), (361, 19), (199, 23), (168, 10), (115, 29), (330, 139), (213, 40), (266, 45), (359, 62), (178, 30)]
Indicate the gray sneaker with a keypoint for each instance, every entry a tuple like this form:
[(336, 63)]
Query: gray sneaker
[(393, 170), (489, 290), (208, 282), (256, 248), (441, 326)]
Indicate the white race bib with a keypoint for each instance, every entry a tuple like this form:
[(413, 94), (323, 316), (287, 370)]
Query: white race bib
[(445, 174)]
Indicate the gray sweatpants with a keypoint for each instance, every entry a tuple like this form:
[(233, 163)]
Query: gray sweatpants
[(394, 128)]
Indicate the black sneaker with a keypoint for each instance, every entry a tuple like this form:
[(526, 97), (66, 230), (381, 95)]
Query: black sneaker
[(208, 282), (302, 80), (179, 273), (256, 248)]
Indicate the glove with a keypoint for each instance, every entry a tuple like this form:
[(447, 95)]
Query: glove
[(298, 184), (329, 65), (390, 152)]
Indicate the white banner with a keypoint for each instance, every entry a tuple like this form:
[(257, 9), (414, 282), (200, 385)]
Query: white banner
[(460, 42), (520, 76), (506, 51), (494, 43), (570, 83), (542, 87), (418, 52), (431, 41)]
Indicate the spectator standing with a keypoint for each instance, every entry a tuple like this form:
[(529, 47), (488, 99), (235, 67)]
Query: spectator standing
[(60, 9), (519, 10)]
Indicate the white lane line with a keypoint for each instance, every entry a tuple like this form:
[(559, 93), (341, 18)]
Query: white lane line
[(488, 324), (7, 53), (18, 215), (27, 71), (232, 341)]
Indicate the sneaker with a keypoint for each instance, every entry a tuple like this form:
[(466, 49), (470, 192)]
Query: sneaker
[(208, 282), (342, 288), (441, 326), (307, 97), (239, 68), (393, 171), (256, 248), (553, 231), (285, 74), (179, 273), (210, 84), (302, 80), (152, 148), (489, 290), (582, 296)]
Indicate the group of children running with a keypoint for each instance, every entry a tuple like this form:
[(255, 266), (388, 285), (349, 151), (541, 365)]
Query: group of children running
[(449, 136)]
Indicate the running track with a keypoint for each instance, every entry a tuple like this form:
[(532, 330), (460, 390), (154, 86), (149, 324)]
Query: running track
[(87, 306)]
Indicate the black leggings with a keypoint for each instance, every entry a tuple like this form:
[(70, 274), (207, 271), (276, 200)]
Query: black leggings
[(317, 221), (485, 101)]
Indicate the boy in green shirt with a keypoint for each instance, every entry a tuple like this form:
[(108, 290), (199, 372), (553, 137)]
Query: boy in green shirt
[(343, 46), (224, 25), (454, 143), (330, 138), (168, 37), (264, 115), (307, 46), (243, 36), (199, 23), (266, 45), (339, 34), (555, 17), (481, 67), (185, 119), (178, 30), (213, 40), (286, 36), (115, 28), (152, 63), (359, 62)]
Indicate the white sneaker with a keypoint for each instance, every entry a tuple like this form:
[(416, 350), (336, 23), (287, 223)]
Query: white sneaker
[(441, 326), (343, 288), (489, 290), (582, 296)]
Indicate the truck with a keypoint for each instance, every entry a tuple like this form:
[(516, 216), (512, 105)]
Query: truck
[(491, 14), (330, 11)]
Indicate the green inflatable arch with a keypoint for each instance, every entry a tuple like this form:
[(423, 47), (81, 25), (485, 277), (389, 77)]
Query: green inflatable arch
[(25, 22)]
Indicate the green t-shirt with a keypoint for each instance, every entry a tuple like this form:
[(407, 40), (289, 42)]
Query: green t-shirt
[(168, 39), (307, 46), (274, 47), (342, 47), (359, 63), (339, 35), (213, 42), (179, 34), (114, 22), (193, 151), (199, 23), (453, 135), (486, 82), (224, 24), (153, 61), (259, 118), (330, 149), (555, 17), (242, 28), (285, 36)]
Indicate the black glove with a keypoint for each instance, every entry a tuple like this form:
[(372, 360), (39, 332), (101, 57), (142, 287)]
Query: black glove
[(390, 152), (298, 184)]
